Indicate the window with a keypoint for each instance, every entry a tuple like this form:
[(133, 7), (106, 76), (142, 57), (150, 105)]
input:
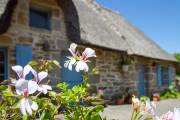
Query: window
[(164, 75), (39, 19), (3, 64)]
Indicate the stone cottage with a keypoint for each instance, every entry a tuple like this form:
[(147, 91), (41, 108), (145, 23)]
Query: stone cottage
[(35, 29)]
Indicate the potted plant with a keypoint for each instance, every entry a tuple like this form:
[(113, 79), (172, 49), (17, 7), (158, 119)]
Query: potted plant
[(120, 100), (156, 97), (125, 64)]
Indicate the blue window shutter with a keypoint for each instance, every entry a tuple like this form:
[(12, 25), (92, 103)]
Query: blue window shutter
[(72, 78), (159, 75), (170, 74), (141, 85), (23, 55)]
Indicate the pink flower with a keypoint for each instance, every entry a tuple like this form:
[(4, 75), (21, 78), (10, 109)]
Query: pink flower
[(81, 65), (176, 113), (88, 52), (25, 88), (22, 72), (168, 116), (72, 49), (150, 108), (69, 63), (135, 103), (27, 106), (38, 78), (80, 62)]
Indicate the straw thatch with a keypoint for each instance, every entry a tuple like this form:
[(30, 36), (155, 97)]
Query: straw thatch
[(105, 28), (89, 23)]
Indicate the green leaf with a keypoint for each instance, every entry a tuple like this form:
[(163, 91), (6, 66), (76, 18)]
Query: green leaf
[(25, 117), (56, 63)]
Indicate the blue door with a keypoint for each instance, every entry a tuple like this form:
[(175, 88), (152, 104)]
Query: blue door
[(70, 77), (159, 75), (170, 74), (3, 64), (141, 84), (23, 56)]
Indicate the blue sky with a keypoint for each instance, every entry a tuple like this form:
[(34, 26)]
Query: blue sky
[(158, 19)]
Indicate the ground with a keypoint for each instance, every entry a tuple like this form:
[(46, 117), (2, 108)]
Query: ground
[(123, 112)]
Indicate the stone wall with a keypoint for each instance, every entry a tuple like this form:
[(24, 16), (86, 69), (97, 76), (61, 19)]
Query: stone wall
[(115, 81), (20, 32), (111, 77)]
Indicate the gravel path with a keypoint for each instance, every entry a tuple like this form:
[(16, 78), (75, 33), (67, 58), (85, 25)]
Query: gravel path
[(123, 112)]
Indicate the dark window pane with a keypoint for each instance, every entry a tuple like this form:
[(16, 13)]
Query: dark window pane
[(1, 56), (39, 19), (1, 78), (1, 68)]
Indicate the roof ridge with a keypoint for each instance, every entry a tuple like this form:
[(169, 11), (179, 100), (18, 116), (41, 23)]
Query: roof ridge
[(112, 25)]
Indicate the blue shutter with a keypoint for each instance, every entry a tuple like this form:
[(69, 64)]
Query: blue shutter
[(23, 55), (159, 75), (72, 78), (4, 64), (170, 74), (141, 84)]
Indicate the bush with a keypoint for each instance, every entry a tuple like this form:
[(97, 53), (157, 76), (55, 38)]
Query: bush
[(32, 99)]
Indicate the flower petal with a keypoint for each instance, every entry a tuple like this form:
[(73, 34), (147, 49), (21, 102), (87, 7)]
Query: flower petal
[(88, 52), (28, 107), (81, 65), (42, 75), (33, 105), (32, 86), (176, 113), (22, 106), (34, 73), (72, 49), (43, 90), (18, 69), (69, 63), (20, 86), (48, 87), (26, 71)]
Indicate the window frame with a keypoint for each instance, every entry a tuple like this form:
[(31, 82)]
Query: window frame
[(41, 11), (5, 62)]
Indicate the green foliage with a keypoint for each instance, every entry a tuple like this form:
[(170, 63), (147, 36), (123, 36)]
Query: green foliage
[(144, 99), (170, 93), (177, 56), (69, 102)]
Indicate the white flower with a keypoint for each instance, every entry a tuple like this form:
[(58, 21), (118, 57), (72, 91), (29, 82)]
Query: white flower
[(22, 72), (79, 61), (150, 108), (81, 66), (25, 87), (69, 63), (88, 52), (135, 103), (27, 105), (72, 49), (176, 113), (168, 116), (38, 78)]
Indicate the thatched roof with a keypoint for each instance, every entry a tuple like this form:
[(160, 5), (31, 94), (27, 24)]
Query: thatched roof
[(105, 28), (95, 25)]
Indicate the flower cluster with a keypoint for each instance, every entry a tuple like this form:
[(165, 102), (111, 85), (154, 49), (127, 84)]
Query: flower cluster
[(25, 87), (171, 115), (149, 109), (79, 60)]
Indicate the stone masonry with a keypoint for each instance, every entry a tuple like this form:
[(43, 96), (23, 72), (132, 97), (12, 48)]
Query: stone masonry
[(110, 76)]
